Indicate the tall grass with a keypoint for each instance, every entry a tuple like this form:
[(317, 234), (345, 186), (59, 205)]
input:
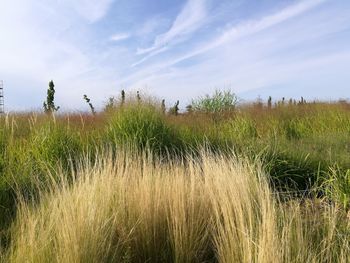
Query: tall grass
[(300, 147), (144, 126), (137, 209)]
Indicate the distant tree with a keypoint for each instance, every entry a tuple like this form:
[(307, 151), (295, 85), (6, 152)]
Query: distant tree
[(49, 104), (175, 110), (259, 103), (85, 97), (110, 104), (123, 98), (189, 108), (138, 97), (163, 108), (302, 101), (269, 102)]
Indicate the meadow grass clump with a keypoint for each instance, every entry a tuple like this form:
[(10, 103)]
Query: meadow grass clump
[(144, 126), (137, 209), (55, 143), (3, 145), (218, 102), (241, 128), (336, 186)]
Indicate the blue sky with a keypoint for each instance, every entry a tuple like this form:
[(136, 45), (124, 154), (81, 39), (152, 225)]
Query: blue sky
[(173, 49)]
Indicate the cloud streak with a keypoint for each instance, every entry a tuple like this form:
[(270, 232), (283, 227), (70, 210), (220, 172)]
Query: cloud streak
[(90, 10), (231, 34), (119, 37), (189, 20), (251, 27)]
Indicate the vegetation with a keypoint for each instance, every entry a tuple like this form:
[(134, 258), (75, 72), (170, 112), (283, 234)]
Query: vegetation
[(218, 102), (88, 101), (49, 104), (222, 182), (136, 209)]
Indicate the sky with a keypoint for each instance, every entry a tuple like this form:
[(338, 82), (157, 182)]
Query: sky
[(172, 49)]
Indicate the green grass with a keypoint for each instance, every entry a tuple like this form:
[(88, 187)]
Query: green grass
[(145, 127)]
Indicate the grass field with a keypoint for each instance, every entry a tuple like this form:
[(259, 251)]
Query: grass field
[(254, 183)]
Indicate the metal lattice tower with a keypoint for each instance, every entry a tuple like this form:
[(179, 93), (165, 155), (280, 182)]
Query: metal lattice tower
[(1, 97)]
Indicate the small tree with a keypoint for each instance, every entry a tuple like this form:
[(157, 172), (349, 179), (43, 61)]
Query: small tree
[(269, 102), (175, 110), (49, 104), (110, 104), (302, 101), (123, 98), (189, 108), (85, 97), (163, 108), (259, 103), (138, 97)]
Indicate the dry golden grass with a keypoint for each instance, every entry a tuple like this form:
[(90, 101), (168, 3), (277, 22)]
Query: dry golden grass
[(211, 209)]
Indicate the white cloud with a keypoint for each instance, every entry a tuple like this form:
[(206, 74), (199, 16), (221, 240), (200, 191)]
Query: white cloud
[(119, 37)]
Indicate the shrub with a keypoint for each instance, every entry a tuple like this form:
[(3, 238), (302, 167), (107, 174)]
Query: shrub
[(175, 109)]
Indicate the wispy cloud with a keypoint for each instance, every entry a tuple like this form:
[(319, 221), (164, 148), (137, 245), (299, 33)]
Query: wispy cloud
[(250, 27), (190, 19), (233, 33), (119, 37), (89, 9)]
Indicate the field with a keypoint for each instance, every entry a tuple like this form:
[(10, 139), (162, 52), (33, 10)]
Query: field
[(138, 183)]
